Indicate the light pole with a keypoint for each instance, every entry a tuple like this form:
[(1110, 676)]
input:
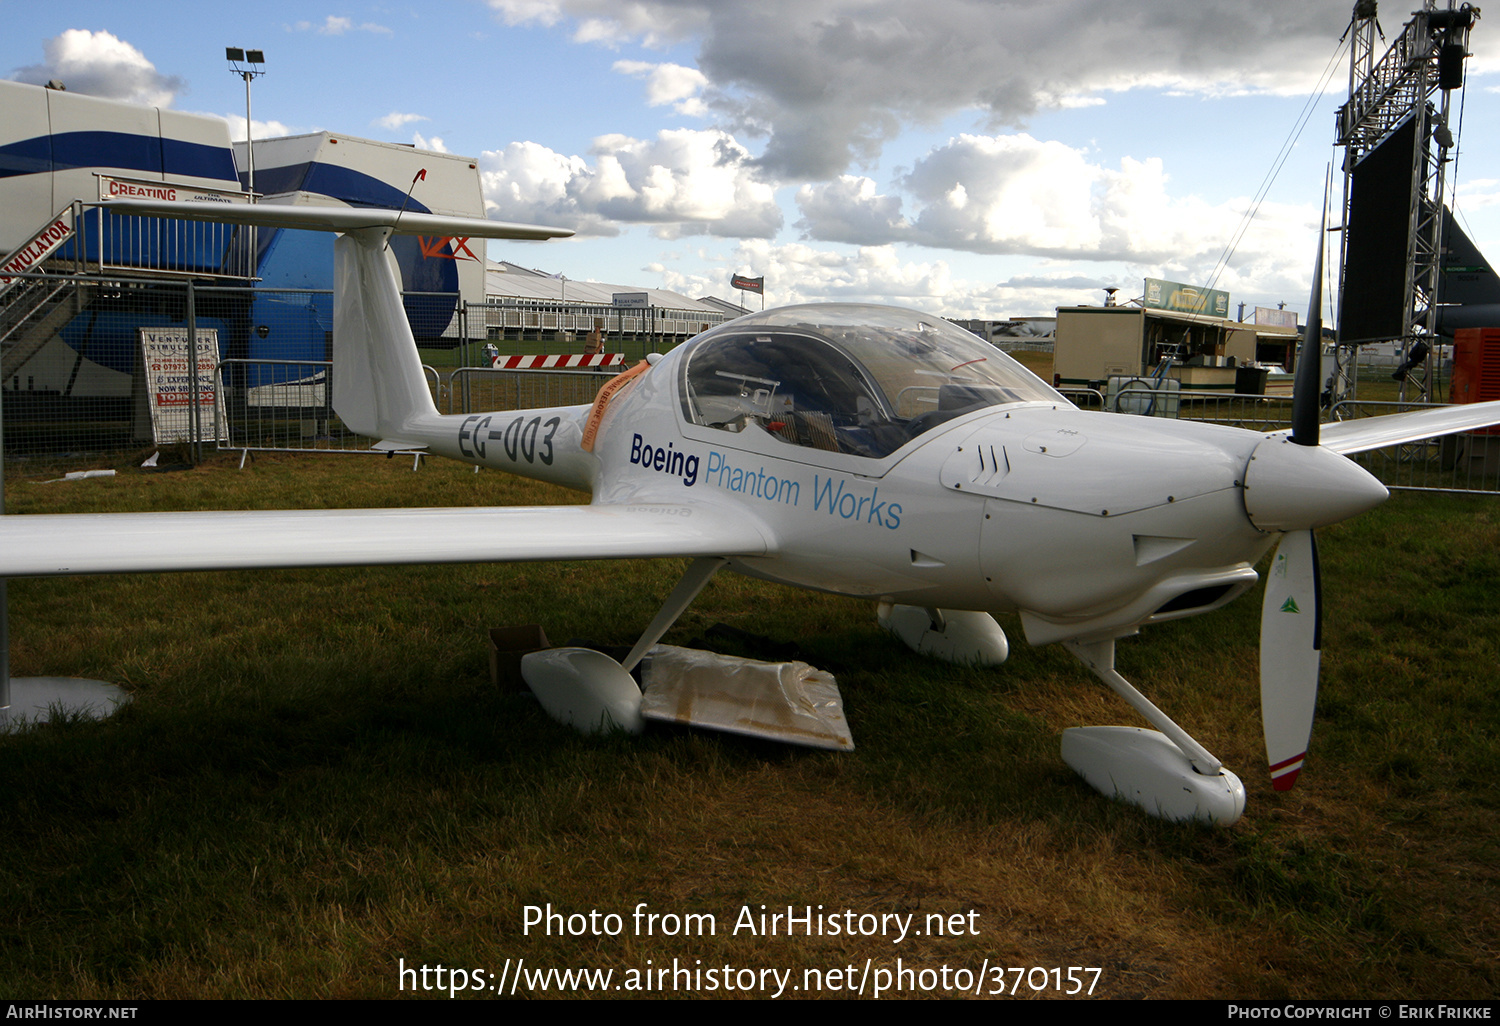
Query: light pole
[(250, 59)]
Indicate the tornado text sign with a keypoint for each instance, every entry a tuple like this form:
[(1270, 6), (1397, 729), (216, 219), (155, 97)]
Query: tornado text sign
[(170, 382)]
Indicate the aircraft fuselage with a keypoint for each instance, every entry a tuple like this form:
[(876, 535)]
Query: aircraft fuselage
[(1037, 506)]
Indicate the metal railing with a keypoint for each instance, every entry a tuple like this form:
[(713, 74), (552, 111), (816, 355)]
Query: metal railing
[(168, 246), (1252, 412), (1466, 463), (62, 229), (542, 326), (481, 389), (1084, 398), (1023, 345), (286, 406), (276, 406)]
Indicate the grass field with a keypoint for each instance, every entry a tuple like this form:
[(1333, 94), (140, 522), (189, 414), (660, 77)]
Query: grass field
[(316, 782)]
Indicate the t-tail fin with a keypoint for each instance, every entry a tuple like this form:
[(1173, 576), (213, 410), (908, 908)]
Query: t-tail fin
[(378, 386)]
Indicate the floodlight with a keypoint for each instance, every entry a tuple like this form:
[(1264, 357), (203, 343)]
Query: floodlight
[(236, 56)]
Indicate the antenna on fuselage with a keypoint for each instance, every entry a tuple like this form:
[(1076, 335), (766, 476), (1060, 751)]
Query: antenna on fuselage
[(420, 176)]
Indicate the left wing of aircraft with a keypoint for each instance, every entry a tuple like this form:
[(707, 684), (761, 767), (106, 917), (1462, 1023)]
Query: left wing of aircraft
[(37, 545)]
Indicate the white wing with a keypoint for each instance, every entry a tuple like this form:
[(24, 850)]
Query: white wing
[(36, 545), (335, 219), (1349, 436)]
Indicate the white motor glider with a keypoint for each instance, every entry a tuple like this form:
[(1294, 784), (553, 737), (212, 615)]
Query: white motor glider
[(868, 451)]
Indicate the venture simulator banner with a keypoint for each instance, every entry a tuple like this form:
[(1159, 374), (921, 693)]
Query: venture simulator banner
[(169, 384)]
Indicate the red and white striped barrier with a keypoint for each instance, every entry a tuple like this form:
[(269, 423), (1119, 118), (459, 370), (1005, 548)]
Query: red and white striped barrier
[(558, 362)]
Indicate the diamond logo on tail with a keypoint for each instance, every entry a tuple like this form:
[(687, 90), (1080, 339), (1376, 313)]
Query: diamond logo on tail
[(1290, 605)]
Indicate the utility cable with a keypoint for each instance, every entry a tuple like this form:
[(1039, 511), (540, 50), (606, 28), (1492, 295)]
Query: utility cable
[(1276, 165)]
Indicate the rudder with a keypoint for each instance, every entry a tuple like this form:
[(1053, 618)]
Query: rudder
[(379, 388)]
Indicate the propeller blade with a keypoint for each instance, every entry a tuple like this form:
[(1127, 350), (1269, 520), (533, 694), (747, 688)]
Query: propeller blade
[(1308, 384), (1291, 623)]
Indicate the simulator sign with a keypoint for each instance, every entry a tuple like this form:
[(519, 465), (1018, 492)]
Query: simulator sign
[(177, 386), (41, 246), (1175, 295)]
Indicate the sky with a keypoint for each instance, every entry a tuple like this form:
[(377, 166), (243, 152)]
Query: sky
[(972, 158)]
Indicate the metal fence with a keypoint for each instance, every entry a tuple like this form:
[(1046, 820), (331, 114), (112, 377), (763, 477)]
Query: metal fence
[(480, 389), (1252, 412), (1467, 463), (73, 380), (283, 406), (543, 327), (1084, 398), (70, 358)]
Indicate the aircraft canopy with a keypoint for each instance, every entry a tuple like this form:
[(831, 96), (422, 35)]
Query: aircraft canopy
[(856, 379)]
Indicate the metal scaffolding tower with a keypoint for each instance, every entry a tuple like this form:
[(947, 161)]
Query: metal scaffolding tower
[(1410, 85)]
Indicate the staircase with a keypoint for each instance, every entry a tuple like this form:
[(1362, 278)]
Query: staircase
[(34, 309), (31, 315)]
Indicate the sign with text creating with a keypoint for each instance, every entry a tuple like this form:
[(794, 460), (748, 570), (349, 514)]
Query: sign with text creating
[(169, 384), (1175, 295), (111, 187)]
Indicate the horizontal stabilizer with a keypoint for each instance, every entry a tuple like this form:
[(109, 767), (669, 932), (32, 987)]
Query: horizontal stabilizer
[(336, 219)]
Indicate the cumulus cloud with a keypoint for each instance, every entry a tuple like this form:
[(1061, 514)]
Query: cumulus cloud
[(669, 83), (798, 273), (263, 129), (434, 143), (1477, 193), (395, 120), (683, 182), (101, 64), (530, 183), (1018, 195), (611, 22), (819, 87), (1006, 194), (848, 209), (829, 82), (337, 26)]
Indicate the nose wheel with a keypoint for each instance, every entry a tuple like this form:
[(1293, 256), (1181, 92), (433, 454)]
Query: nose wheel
[(1164, 771)]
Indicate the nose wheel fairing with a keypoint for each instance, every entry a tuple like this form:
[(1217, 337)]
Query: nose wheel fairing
[(1164, 771), (1144, 768)]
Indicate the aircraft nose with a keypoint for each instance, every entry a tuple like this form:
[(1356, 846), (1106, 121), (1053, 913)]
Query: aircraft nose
[(1291, 487)]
